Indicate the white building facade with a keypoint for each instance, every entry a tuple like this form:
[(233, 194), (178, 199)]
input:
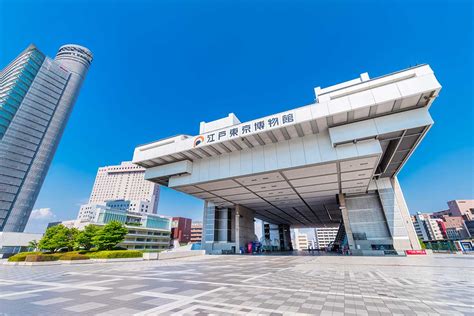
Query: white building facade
[(426, 227), (324, 236), (330, 162), (302, 242), (125, 182)]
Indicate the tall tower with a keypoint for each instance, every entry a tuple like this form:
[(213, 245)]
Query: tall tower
[(37, 95)]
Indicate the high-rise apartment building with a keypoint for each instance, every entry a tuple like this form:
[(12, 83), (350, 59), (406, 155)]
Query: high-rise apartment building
[(37, 95), (196, 232), (124, 182), (324, 236), (427, 228)]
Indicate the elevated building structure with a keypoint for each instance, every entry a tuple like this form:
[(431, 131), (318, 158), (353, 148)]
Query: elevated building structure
[(330, 162)]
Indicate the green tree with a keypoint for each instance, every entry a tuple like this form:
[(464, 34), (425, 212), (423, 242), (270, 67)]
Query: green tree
[(84, 238), (33, 244), (422, 244), (58, 237), (110, 235)]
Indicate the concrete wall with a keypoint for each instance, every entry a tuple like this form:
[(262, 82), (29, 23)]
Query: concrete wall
[(245, 228), (367, 220)]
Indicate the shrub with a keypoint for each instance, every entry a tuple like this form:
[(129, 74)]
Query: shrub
[(73, 256), (19, 257), (41, 258), (115, 254)]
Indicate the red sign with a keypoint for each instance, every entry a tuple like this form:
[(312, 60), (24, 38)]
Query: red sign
[(415, 252)]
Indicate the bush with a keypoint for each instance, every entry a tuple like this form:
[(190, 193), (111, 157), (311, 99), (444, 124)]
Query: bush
[(20, 257), (41, 258), (73, 256), (115, 254)]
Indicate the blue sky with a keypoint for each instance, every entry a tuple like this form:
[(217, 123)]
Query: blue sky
[(161, 67)]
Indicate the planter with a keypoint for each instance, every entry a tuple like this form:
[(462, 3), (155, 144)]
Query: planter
[(150, 255)]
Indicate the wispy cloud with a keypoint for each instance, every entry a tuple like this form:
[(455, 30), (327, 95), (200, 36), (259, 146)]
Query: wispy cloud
[(39, 220), (42, 214)]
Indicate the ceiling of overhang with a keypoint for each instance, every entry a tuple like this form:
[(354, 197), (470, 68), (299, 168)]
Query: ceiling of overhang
[(301, 197), (293, 131)]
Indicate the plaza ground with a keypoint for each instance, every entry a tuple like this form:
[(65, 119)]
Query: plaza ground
[(223, 285)]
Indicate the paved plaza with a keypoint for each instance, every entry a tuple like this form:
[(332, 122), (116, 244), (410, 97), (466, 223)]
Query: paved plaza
[(250, 285)]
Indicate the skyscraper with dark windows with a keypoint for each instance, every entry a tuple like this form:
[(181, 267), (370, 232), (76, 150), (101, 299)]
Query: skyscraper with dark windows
[(37, 95)]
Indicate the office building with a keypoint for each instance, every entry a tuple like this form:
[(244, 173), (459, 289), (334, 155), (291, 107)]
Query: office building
[(300, 241), (196, 232), (464, 208), (37, 95), (333, 161), (456, 228), (181, 229), (145, 231), (325, 236), (137, 206), (125, 182), (470, 227)]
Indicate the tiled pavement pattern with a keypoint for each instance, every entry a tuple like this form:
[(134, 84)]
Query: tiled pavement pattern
[(244, 285)]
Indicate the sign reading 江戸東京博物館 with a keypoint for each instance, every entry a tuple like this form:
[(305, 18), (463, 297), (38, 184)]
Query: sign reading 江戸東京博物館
[(246, 129)]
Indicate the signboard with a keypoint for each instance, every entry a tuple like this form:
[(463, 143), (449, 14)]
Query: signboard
[(246, 129), (415, 252)]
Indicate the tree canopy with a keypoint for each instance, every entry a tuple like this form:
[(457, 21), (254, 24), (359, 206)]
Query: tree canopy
[(58, 237), (110, 235), (84, 238)]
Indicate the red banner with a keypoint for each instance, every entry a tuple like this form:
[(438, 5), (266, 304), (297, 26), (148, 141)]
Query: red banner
[(415, 252)]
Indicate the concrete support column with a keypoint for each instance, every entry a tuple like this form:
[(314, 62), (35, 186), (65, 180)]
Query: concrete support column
[(345, 219), (285, 237), (244, 226), (396, 213), (414, 241)]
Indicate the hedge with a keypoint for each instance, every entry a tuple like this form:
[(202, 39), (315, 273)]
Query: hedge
[(21, 256), (73, 256), (41, 258), (112, 254), (76, 255)]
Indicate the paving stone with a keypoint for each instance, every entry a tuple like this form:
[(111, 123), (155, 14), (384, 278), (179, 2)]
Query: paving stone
[(309, 285)]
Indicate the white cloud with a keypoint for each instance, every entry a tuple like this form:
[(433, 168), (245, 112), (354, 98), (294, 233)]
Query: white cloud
[(39, 219), (42, 214)]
